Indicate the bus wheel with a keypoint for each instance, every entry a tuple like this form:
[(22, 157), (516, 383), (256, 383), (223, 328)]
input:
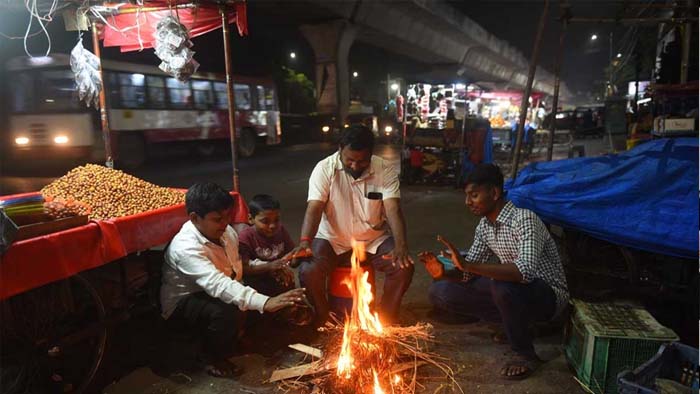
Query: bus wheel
[(246, 143), (132, 151)]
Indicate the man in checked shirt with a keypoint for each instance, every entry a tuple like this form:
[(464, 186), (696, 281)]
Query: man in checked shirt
[(527, 286)]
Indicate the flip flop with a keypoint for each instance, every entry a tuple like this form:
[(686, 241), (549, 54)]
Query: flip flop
[(499, 337), (529, 365), (224, 369)]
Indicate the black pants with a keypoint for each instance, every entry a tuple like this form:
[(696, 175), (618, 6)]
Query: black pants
[(313, 276), (215, 322), (516, 305)]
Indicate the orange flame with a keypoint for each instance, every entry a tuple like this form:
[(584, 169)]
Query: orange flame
[(377, 387), (361, 316)]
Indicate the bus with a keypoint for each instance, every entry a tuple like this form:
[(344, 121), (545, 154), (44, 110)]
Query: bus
[(145, 107)]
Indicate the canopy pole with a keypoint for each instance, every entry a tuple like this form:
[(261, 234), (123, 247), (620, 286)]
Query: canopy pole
[(528, 90), (555, 100), (104, 119), (231, 99)]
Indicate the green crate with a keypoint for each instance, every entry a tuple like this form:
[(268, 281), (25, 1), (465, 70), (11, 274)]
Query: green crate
[(605, 339)]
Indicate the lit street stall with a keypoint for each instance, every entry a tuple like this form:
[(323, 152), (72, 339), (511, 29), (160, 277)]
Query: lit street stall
[(55, 315)]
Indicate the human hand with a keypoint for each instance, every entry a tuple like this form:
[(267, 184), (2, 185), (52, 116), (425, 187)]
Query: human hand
[(302, 251), (284, 276), (399, 256), (284, 300), (454, 253), (435, 268)]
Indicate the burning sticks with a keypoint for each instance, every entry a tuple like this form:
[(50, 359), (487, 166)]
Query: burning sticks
[(362, 356)]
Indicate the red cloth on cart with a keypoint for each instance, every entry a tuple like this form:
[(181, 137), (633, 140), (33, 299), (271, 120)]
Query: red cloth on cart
[(34, 262), (198, 21)]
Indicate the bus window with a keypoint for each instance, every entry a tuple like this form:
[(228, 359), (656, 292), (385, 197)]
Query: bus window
[(22, 89), (57, 91), (156, 91), (179, 93), (242, 97), (220, 95), (260, 93), (270, 99), (202, 94), (132, 90)]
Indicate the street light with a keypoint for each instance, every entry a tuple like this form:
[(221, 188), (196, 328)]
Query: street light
[(394, 86), (594, 37), (355, 74), (293, 55), (619, 55)]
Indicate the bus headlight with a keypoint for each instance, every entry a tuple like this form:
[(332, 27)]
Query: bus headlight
[(60, 139), (22, 141), (325, 129)]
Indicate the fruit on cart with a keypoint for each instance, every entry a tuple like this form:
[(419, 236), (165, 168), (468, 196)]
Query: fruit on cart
[(59, 208), (110, 193)]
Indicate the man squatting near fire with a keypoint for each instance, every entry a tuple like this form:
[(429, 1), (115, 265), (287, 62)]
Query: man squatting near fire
[(202, 289), (354, 195), (527, 286)]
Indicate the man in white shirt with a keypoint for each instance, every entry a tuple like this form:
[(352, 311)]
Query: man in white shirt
[(201, 286), (354, 195)]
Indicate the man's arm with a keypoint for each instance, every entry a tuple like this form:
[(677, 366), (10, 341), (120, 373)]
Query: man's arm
[(312, 218), (394, 216), (215, 283), (502, 272)]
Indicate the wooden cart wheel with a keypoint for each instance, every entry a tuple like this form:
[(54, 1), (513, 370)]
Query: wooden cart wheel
[(53, 338)]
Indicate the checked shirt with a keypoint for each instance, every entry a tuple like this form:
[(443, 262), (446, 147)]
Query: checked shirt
[(519, 237)]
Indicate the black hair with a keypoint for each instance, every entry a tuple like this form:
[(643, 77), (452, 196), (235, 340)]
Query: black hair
[(357, 137), (262, 202), (486, 175), (205, 197)]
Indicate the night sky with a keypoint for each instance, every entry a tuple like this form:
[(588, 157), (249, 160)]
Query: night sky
[(271, 40)]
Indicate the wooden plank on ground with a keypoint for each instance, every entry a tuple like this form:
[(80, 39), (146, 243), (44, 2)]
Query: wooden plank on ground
[(300, 370), (312, 351)]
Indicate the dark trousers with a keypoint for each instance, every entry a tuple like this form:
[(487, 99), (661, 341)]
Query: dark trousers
[(516, 305), (266, 284), (313, 276), (217, 323)]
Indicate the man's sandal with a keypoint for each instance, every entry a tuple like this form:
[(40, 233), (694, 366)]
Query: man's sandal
[(519, 367), (224, 369)]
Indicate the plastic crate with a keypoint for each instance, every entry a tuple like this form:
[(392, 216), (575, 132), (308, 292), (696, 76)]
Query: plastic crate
[(675, 362), (603, 340)]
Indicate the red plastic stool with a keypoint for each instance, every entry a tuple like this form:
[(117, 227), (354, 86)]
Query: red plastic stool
[(339, 296)]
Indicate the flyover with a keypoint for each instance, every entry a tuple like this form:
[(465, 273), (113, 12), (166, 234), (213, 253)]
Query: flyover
[(431, 32)]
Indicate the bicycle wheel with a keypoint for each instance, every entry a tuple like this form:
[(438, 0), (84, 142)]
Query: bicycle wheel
[(53, 338)]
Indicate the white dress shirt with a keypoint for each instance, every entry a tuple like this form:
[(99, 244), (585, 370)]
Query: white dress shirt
[(194, 264), (349, 213)]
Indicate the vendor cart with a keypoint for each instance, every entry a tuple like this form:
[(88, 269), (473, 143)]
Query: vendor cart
[(442, 143), (57, 294), (61, 292)]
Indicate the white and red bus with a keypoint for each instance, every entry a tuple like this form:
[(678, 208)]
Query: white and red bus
[(145, 106)]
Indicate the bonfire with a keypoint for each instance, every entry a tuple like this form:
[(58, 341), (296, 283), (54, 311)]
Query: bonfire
[(360, 355)]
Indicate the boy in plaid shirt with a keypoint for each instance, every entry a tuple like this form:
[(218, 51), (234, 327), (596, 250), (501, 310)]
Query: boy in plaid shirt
[(527, 286)]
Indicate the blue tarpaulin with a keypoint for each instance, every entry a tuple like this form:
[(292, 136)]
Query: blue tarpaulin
[(645, 198)]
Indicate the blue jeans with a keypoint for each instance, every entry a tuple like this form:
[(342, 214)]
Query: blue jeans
[(516, 305)]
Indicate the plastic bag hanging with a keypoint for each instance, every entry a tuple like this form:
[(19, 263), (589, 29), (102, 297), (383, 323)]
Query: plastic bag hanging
[(86, 68), (172, 46)]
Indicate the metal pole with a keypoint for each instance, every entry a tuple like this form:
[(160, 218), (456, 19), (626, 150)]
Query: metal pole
[(555, 100), (231, 100), (104, 119), (685, 48), (528, 90), (610, 65)]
